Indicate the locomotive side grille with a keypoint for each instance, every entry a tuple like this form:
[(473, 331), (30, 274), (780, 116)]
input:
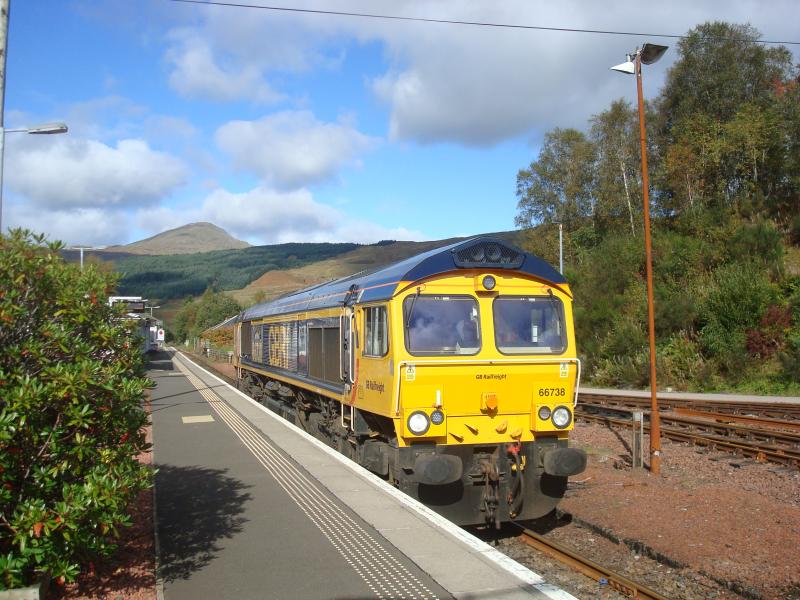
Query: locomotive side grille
[(488, 254), (280, 345)]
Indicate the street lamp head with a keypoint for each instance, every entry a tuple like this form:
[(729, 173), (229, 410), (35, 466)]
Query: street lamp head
[(627, 67), (48, 129), (650, 53)]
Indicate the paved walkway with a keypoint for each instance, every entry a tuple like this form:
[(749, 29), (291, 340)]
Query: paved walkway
[(704, 397), (237, 517)]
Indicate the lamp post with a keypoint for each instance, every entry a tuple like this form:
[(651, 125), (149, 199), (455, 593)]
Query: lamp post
[(45, 129), (82, 248), (151, 309), (560, 246), (647, 54)]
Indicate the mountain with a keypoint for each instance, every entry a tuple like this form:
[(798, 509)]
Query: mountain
[(188, 239)]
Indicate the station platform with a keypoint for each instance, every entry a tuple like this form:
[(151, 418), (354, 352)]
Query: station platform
[(700, 397), (250, 506)]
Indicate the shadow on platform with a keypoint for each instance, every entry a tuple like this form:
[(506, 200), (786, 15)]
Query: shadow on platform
[(196, 508)]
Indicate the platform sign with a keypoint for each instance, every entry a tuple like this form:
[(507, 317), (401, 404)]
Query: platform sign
[(160, 337)]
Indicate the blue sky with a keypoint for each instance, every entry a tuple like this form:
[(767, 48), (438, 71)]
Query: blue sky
[(296, 127)]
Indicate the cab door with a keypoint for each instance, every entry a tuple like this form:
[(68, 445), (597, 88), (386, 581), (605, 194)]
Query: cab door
[(347, 329)]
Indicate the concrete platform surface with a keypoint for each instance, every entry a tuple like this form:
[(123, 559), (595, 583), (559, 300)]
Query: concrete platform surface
[(694, 396), (250, 506)]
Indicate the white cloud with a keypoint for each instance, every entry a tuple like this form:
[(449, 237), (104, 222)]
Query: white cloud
[(227, 54), (266, 216), (475, 85), (271, 215), (195, 72), (292, 149), (76, 173), (76, 226)]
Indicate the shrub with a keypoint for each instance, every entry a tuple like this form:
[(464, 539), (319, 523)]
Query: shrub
[(790, 361), (794, 230), (624, 371), (761, 242), (70, 413), (770, 335), (739, 294), (680, 363)]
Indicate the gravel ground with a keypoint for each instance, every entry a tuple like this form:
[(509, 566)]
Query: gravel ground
[(721, 526)]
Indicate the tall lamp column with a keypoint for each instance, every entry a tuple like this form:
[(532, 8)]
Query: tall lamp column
[(647, 54)]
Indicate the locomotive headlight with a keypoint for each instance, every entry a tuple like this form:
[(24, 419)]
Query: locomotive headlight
[(418, 422), (562, 417), (489, 282), (544, 413), (437, 417)]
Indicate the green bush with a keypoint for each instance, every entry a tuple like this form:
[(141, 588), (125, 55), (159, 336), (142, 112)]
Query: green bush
[(794, 230), (631, 371), (738, 296), (71, 416), (761, 242), (790, 361), (680, 363)]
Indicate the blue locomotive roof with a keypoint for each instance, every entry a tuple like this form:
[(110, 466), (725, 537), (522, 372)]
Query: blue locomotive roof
[(381, 284)]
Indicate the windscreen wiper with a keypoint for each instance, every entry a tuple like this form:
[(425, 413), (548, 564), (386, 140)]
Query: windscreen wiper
[(411, 310)]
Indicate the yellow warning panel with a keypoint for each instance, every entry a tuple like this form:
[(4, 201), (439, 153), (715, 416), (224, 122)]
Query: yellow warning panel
[(197, 419)]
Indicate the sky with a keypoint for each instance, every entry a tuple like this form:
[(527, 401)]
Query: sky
[(296, 127)]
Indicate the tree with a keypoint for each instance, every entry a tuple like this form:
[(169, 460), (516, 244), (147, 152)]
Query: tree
[(615, 134), (722, 110), (693, 164), (211, 308), (558, 186), (71, 416), (720, 67), (214, 307)]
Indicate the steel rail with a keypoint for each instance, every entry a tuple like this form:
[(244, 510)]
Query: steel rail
[(760, 452), (588, 567), (730, 430), (732, 418), (779, 410)]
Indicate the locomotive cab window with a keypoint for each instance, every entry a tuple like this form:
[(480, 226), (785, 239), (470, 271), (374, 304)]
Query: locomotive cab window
[(376, 338), (441, 325), (529, 325)]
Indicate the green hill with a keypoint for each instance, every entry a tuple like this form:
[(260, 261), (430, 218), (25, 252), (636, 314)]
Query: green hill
[(178, 276)]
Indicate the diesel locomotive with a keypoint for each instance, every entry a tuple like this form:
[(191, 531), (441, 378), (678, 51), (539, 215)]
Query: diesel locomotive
[(452, 374)]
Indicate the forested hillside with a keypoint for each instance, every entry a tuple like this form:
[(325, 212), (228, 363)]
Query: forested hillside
[(724, 157), (178, 276)]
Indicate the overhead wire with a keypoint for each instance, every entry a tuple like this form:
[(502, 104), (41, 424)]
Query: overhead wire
[(467, 23)]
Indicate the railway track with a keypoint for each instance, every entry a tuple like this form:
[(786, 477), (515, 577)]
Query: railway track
[(770, 410), (591, 569), (760, 450), (712, 424), (737, 418)]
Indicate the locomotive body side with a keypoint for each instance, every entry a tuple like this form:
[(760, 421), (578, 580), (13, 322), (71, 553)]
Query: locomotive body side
[(457, 385)]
